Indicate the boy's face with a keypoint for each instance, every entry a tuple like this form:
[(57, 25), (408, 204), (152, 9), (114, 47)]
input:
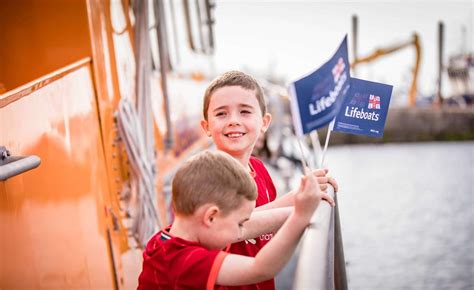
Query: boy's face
[(234, 120), (227, 229)]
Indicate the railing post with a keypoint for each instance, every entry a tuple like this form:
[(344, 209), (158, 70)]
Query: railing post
[(340, 279)]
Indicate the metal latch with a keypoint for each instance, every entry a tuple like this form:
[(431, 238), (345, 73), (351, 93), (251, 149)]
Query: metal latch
[(13, 165)]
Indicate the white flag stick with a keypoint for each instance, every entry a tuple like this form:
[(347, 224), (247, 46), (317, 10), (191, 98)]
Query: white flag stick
[(303, 159), (328, 135), (316, 147)]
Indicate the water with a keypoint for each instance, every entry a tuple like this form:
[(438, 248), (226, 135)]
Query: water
[(407, 214)]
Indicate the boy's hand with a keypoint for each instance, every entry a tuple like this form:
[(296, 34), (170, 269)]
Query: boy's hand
[(324, 180), (309, 195)]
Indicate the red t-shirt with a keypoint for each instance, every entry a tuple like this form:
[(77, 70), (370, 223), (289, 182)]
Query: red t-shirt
[(173, 263), (266, 194)]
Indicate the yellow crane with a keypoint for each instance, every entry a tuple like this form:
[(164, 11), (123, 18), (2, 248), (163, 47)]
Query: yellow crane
[(379, 52)]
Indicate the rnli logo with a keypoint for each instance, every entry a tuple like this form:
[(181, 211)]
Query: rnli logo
[(338, 69), (374, 102)]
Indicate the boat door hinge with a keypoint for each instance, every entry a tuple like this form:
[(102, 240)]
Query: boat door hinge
[(115, 220)]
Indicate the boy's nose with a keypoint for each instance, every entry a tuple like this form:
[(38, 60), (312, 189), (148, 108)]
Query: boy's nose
[(234, 120)]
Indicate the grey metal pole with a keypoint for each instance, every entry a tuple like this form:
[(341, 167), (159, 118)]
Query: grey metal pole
[(321, 263), (340, 278), (439, 99), (355, 30), (315, 264)]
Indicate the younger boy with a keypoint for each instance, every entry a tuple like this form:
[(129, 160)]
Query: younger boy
[(213, 197), (235, 115)]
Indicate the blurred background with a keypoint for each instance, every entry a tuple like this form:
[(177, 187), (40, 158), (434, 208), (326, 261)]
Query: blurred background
[(288, 39)]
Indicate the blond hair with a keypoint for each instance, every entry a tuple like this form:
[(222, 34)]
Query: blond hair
[(234, 78), (211, 177)]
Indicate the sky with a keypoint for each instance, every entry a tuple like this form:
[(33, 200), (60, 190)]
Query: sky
[(289, 39)]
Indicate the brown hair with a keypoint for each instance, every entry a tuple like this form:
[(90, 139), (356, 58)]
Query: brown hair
[(234, 78), (211, 177)]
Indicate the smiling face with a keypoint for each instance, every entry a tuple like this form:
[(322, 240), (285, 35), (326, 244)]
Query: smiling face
[(235, 121)]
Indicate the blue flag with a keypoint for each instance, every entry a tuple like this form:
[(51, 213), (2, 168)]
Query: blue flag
[(364, 109), (316, 98)]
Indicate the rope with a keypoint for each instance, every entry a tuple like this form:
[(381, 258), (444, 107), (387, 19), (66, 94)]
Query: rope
[(147, 221)]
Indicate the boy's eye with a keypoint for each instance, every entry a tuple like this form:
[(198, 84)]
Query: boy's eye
[(245, 112), (220, 114)]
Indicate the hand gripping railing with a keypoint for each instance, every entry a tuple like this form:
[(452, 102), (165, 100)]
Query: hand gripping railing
[(321, 263), (14, 165)]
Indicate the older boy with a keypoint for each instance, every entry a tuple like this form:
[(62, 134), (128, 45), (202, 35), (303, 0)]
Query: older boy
[(235, 115), (213, 197)]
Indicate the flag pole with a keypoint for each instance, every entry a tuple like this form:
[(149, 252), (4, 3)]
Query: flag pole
[(303, 158), (316, 147), (328, 135)]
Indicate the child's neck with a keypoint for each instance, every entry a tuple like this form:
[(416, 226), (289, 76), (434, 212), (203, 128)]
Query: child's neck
[(243, 159), (184, 228)]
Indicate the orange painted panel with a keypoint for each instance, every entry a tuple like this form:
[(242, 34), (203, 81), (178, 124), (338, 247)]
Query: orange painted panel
[(52, 218), (40, 36)]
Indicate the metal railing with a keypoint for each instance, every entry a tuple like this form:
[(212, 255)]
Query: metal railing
[(321, 264)]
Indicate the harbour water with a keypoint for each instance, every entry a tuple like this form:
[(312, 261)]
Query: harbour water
[(407, 215)]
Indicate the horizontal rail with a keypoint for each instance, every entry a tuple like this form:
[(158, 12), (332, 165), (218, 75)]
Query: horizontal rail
[(317, 262)]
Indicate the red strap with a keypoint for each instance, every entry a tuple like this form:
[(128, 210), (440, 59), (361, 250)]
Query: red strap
[(211, 281)]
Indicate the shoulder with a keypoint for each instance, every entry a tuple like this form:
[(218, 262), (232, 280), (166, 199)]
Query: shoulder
[(190, 256), (180, 263), (264, 181), (259, 167), (199, 267), (165, 246), (256, 163)]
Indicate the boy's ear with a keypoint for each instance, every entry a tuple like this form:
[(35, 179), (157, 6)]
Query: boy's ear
[(267, 119), (205, 127), (210, 215)]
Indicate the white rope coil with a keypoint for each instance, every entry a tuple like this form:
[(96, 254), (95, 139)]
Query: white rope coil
[(146, 220)]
